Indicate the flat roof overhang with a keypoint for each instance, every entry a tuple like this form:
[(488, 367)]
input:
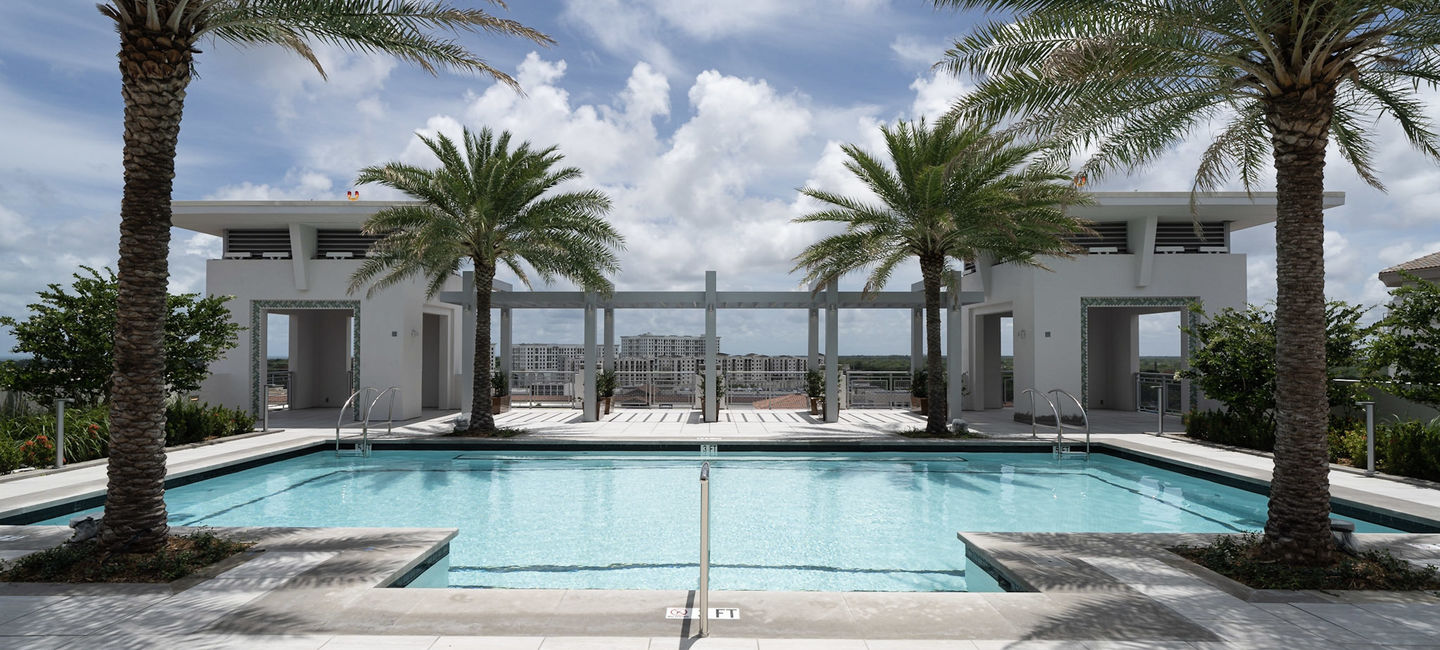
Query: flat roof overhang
[(1243, 210)]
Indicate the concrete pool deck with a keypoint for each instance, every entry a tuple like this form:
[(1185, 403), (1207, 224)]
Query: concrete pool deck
[(313, 588)]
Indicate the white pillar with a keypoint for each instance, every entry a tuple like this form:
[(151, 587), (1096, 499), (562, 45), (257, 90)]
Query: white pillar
[(917, 340), (712, 349), (608, 353), (832, 353), (813, 360), (467, 340), (954, 343), (588, 372), (506, 358)]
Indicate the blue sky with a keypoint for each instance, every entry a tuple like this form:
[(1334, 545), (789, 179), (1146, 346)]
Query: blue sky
[(699, 118)]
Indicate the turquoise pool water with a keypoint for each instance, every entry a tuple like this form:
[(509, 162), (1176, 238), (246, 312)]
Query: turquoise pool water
[(827, 522)]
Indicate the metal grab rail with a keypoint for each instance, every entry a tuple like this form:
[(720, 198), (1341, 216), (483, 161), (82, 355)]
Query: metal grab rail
[(1033, 393), (341, 419), (389, 417), (704, 549), (1060, 439)]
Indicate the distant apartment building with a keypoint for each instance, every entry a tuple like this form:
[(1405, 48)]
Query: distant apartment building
[(664, 345), (532, 357)]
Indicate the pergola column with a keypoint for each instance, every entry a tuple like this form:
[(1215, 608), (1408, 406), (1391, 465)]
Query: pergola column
[(587, 375), (506, 358), (813, 360), (832, 353), (955, 369), (917, 340), (608, 353), (467, 340), (712, 350)]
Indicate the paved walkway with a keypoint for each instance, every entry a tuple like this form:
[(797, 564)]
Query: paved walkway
[(1104, 590)]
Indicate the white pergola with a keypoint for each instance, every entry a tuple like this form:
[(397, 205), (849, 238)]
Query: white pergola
[(830, 299)]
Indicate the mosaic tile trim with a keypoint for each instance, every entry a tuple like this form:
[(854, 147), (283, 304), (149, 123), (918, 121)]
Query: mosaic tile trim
[(1188, 315), (258, 309)]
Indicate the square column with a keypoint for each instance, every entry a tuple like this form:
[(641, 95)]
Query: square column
[(954, 344), (917, 340), (608, 353), (587, 375), (712, 350), (832, 353), (467, 341), (506, 358), (813, 360)]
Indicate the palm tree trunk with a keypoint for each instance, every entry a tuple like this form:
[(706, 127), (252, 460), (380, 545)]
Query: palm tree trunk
[(931, 267), (482, 421), (1298, 528), (154, 73)]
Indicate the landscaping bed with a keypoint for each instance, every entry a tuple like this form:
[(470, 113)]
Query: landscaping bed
[(1238, 558), (85, 562)]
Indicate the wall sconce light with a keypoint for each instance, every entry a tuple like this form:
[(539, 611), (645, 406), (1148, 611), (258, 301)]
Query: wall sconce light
[(1020, 334)]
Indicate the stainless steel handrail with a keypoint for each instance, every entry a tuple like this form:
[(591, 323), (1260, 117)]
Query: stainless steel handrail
[(339, 420), (1083, 415), (1033, 393), (389, 417), (704, 549)]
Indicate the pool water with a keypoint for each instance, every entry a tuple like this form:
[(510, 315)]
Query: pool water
[(825, 522)]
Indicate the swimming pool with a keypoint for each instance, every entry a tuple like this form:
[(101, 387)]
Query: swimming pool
[(779, 521)]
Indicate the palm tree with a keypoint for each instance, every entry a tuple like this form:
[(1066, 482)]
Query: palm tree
[(955, 192), (1127, 80), (488, 205), (158, 40)]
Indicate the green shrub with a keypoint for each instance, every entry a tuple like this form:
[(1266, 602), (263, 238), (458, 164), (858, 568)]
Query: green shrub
[(1347, 440), (1409, 448), (1229, 428), (37, 452), (191, 422), (9, 455)]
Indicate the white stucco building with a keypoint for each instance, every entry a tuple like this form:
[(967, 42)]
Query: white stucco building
[(1074, 323), (295, 258), (1076, 326)]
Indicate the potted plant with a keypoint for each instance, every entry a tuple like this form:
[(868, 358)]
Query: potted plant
[(719, 391), (815, 389), (499, 392), (605, 382), (920, 389)]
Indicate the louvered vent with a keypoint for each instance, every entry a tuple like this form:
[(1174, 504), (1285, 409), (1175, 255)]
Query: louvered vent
[(256, 243), (354, 242), (969, 267), (1109, 237), (1189, 237)]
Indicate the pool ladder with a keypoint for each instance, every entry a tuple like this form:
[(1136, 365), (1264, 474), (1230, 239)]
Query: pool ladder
[(362, 447), (1060, 448)]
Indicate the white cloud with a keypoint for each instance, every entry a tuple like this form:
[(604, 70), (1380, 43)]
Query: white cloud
[(304, 185), (934, 96), (917, 51)]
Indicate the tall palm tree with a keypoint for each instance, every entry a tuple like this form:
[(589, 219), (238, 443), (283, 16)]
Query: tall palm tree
[(488, 205), (953, 192), (1128, 80), (158, 40)]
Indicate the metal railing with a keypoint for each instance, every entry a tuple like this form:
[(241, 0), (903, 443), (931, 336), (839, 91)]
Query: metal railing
[(883, 389), (704, 588), (543, 388), (341, 420), (1146, 399), (1034, 416), (277, 388), (394, 392), (766, 389), (1060, 437)]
